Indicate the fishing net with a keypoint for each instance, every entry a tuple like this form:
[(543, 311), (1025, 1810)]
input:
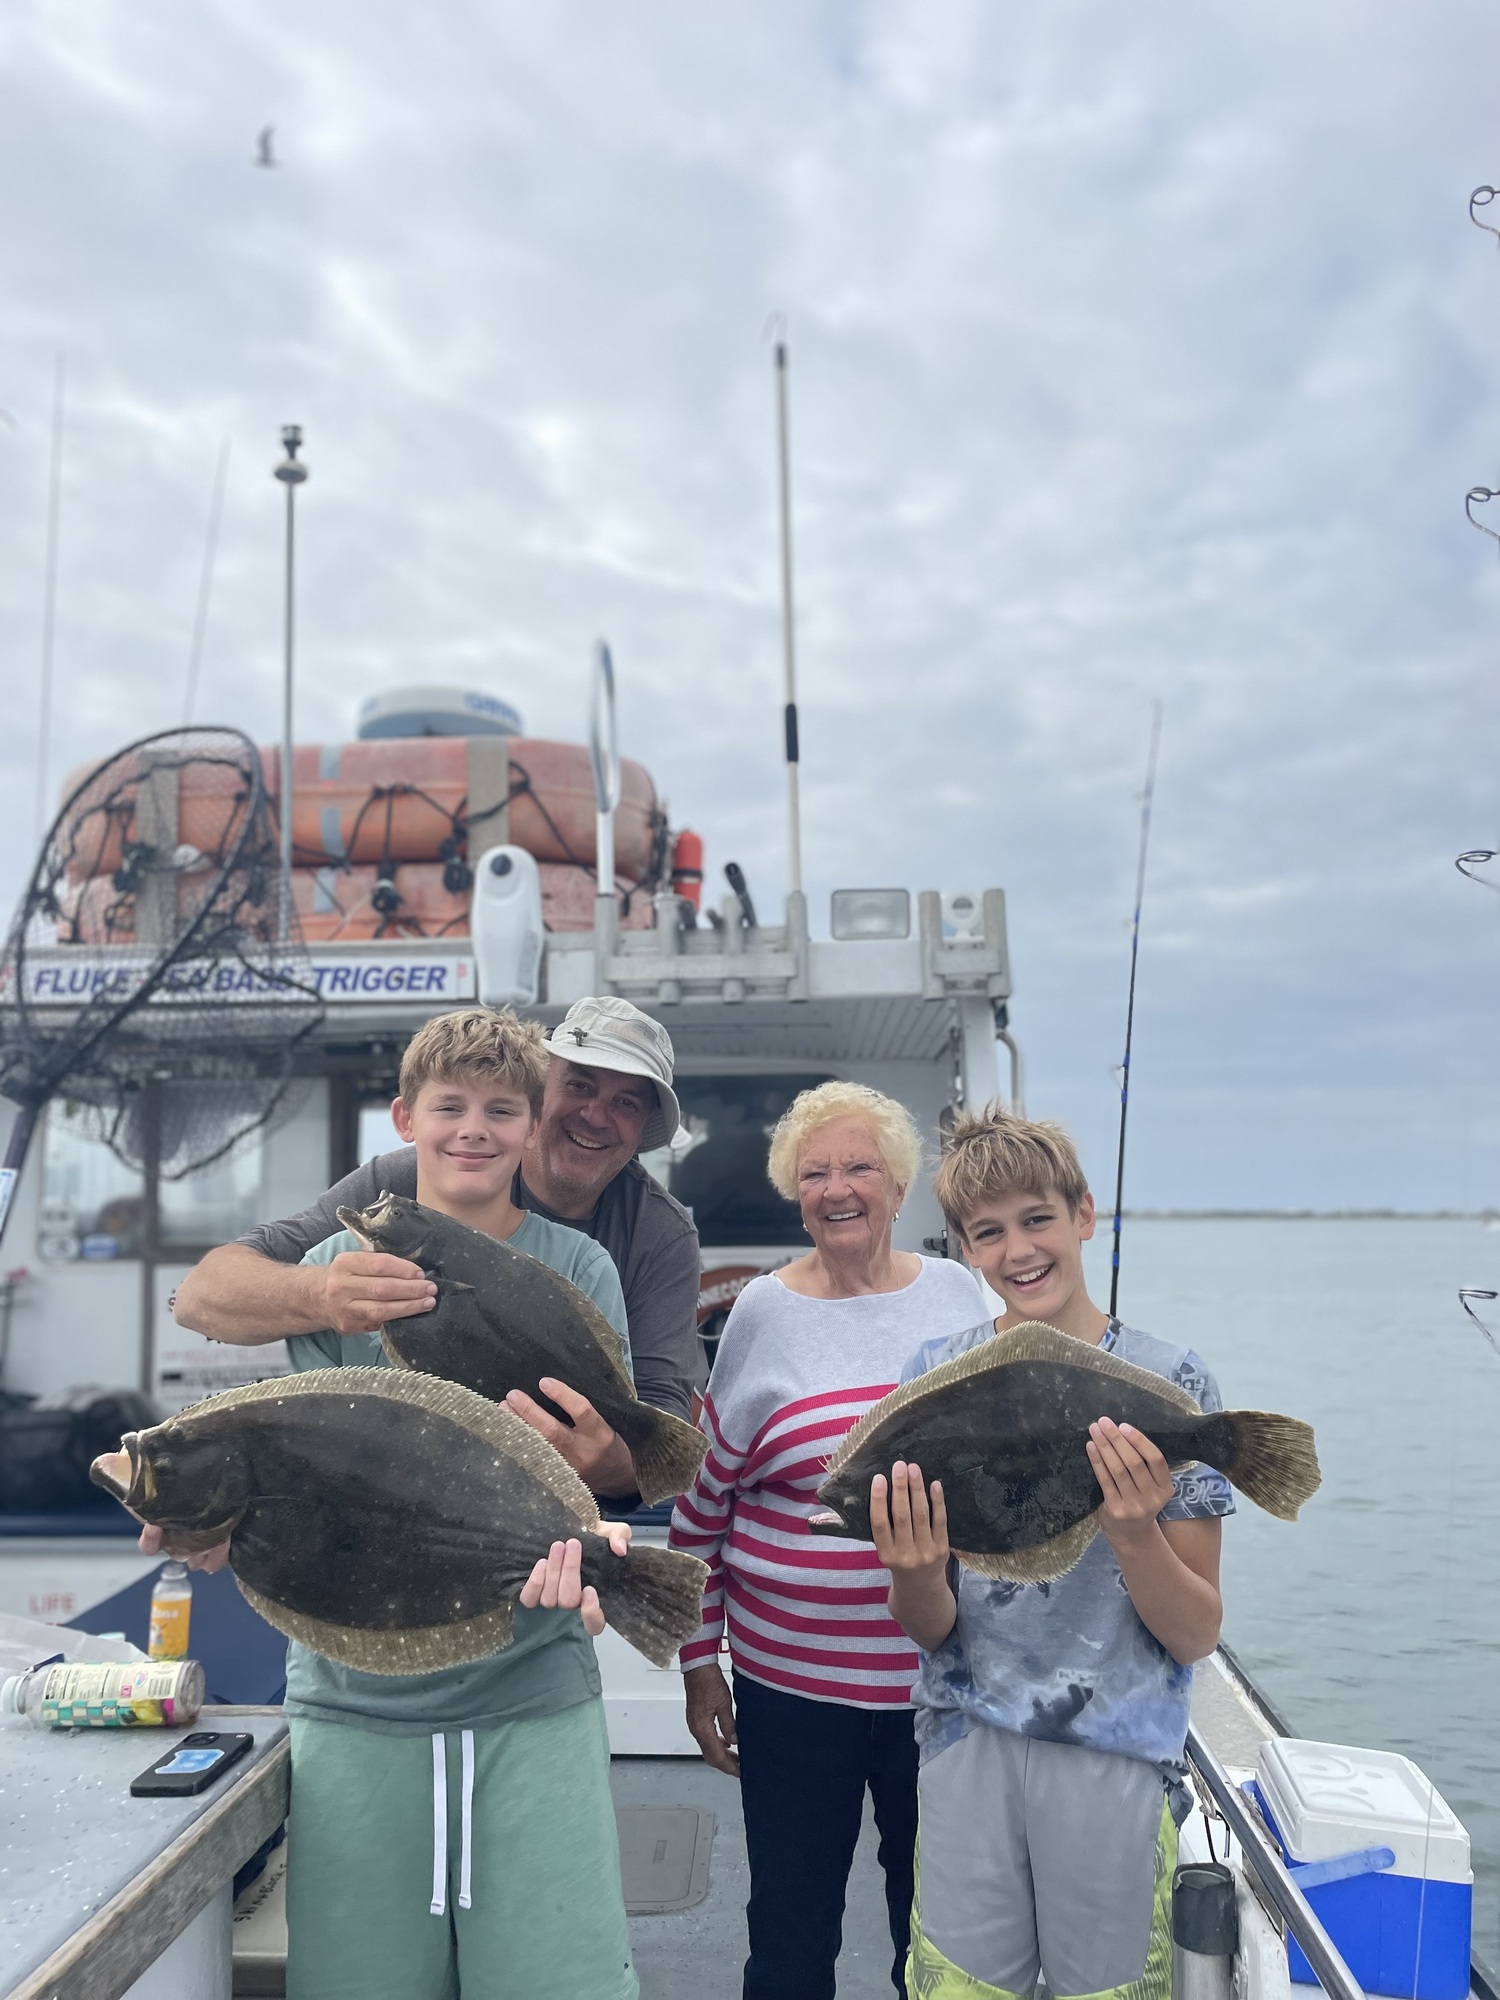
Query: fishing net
[(154, 974)]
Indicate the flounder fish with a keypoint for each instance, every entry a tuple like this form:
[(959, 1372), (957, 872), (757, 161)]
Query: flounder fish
[(1005, 1427), (388, 1520), (503, 1320)]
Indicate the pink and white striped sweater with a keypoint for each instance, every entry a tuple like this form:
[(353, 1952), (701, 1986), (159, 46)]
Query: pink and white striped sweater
[(806, 1613)]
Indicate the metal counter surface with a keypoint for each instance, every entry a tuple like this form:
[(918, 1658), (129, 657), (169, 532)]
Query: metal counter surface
[(94, 1884)]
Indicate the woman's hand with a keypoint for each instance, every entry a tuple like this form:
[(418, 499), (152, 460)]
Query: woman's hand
[(1134, 1479), (153, 1543), (710, 1717), (556, 1582), (911, 1538)]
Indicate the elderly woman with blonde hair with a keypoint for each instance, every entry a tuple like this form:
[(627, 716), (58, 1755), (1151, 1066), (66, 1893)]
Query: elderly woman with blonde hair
[(822, 1674)]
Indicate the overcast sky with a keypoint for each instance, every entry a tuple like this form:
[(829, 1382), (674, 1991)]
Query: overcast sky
[(1136, 353)]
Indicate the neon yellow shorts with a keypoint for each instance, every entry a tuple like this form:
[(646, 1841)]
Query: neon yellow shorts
[(397, 1889), (1045, 1857)]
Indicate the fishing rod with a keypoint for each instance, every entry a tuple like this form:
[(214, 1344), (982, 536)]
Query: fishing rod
[(1135, 946)]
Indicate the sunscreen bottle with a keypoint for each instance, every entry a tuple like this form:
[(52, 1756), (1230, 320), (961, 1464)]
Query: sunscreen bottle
[(171, 1614)]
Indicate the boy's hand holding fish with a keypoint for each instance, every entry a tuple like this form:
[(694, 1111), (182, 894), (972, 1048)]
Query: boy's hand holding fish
[(556, 1581), (1134, 1478), (910, 1532)]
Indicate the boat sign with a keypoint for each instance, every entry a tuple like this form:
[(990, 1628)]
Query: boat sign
[(338, 975), (355, 976)]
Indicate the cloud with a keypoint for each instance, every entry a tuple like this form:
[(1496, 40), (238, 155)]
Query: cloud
[(1133, 355)]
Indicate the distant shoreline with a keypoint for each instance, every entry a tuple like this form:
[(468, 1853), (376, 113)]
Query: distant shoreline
[(1305, 1215)]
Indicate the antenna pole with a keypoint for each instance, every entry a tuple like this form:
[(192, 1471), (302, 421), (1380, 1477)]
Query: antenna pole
[(49, 600), (1135, 946), (788, 622), (291, 474)]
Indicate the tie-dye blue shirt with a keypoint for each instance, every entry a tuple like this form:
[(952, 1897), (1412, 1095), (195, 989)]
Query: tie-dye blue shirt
[(1069, 1661)]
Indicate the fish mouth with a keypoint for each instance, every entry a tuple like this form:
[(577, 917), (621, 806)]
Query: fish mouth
[(118, 1472), (826, 1522), (369, 1223)]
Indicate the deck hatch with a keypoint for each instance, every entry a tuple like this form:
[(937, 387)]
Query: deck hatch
[(664, 1857)]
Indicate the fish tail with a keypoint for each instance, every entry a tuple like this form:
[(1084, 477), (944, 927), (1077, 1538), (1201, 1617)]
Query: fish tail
[(666, 1454), (653, 1597), (1271, 1459)]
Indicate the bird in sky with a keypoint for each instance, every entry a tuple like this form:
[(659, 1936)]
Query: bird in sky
[(264, 157)]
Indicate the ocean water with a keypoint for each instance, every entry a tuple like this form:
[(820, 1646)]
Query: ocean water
[(1375, 1618)]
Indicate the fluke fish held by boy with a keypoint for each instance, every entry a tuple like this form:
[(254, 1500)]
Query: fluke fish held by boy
[(388, 1521), (503, 1320), (1005, 1428)]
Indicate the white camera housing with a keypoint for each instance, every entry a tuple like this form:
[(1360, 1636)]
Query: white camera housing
[(506, 925)]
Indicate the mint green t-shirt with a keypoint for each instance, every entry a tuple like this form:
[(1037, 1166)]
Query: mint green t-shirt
[(549, 1664)]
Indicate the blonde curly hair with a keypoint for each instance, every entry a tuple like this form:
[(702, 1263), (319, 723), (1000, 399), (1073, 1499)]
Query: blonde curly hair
[(896, 1136)]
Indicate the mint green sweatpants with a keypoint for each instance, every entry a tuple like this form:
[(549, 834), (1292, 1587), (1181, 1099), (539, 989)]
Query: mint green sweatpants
[(392, 1896)]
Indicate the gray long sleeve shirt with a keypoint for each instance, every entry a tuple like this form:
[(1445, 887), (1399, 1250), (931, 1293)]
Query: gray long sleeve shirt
[(649, 1236)]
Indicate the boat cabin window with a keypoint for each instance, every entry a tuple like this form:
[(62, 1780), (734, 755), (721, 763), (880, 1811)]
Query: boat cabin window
[(721, 1174), (376, 1132), (93, 1205), (91, 1201), (215, 1203)]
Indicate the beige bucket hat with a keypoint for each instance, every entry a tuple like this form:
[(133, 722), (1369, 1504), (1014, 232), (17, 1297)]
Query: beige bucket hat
[(605, 1032)]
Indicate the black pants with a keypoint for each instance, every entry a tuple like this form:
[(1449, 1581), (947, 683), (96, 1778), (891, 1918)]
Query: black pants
[(804, 1766)]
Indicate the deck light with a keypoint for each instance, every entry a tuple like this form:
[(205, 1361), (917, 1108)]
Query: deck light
[(871, 913)]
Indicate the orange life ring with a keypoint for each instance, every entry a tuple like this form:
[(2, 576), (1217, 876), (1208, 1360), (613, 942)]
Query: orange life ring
[(397, 799)]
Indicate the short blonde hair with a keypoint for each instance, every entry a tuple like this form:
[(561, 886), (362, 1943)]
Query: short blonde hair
[(476, 1042), (997, 1152), (896, 1136)]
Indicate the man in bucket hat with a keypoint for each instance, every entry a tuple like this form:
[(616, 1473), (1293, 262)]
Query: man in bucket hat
[(608, 1097)]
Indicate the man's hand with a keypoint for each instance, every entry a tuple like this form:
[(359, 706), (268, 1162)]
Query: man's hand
[(596, 1453), (1134, 1479), (154, 1543), (556, 1581), (710, 1717), (365, 1288), (911, 1539)]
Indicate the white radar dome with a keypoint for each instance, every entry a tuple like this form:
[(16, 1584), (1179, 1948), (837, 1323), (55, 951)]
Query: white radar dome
[(436, 711)]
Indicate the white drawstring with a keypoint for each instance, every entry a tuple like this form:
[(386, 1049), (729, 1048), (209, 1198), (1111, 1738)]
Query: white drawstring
[(439, 1903), (467, 1855)]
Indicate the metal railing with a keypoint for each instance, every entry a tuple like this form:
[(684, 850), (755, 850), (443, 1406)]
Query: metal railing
[(1265, 1858)]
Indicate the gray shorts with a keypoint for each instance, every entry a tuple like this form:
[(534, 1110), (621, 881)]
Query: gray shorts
[(1045, 1857)]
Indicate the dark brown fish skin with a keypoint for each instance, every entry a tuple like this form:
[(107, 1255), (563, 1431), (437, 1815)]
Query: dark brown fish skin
[(355, 1507), (1009, 1444), (503, 1320)]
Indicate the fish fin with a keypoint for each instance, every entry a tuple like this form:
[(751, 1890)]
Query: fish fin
[(1032, 1340), (423, 1649), (1273, 1460), (1041, 1564), (653, 1598), (392, 1353), (491, 1421), (667, 1461)]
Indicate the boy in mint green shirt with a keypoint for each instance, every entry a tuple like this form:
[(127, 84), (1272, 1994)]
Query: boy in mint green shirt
[(441, 1823)]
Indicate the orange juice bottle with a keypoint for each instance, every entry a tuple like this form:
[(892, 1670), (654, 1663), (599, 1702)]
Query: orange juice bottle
[(171, 1614)]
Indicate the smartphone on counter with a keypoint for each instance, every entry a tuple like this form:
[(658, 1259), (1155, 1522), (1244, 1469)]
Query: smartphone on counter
[(192, 1765)]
